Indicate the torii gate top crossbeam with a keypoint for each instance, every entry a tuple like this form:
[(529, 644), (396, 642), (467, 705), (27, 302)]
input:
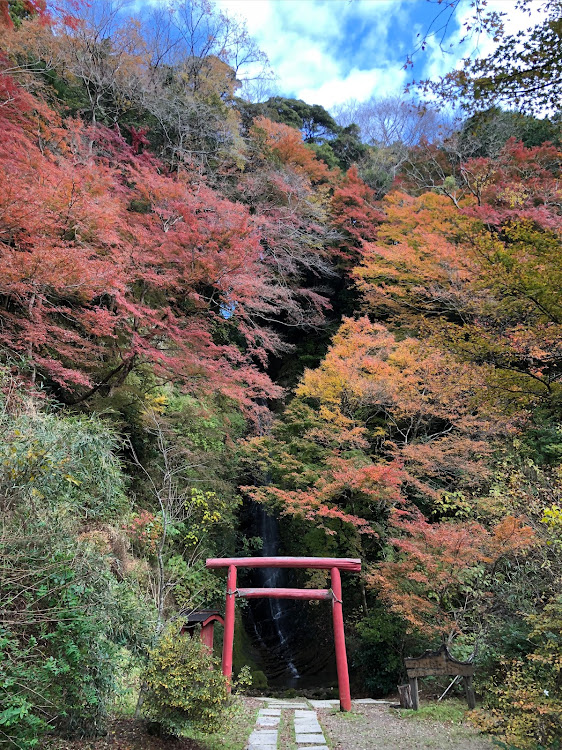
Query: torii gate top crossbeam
[(318, 563)]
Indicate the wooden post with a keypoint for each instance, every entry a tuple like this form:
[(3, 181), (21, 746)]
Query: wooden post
[(414, 693), (228, 642), (207, 635), (439, 662), (405, 693), (339, 641), (469, 692)]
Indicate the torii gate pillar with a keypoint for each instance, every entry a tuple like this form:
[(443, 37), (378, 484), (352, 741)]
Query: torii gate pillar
[(333, 564), (229, 615), (339, 642)]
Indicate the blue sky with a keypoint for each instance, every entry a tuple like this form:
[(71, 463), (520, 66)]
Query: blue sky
[(329, 51)]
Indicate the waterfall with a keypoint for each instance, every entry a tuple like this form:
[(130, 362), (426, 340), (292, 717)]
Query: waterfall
[(285, 645), (267, 526), (274, 578), (271, 620)]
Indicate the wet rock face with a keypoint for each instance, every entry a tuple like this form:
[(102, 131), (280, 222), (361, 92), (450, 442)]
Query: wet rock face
[(293, 650)]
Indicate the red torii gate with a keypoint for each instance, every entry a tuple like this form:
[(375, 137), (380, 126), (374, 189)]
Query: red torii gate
[(333, 564)]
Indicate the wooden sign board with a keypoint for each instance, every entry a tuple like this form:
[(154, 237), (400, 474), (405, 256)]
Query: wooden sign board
[(438, 662), (434, 663)]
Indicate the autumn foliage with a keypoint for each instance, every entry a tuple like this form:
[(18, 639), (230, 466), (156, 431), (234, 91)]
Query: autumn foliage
[(108, 262), (169, 258), (396, 436)]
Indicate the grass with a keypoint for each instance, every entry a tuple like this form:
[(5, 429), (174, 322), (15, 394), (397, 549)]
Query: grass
[(286, 737), (328, 740), (348, 715), (235, 737), (128, 685), (451, 711)]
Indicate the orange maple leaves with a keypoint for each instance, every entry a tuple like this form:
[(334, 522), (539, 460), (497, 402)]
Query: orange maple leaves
[(435, 576)]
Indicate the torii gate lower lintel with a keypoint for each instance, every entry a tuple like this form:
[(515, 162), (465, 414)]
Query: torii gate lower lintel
[(333, 564)]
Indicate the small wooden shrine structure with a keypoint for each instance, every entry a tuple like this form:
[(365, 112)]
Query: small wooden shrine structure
[(206, 618), (333, 594), (439, 662)]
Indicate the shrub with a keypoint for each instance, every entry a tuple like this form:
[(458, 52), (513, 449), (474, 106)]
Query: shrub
[(378, 654), (185, 687), (21, 725), (62, 613), (66, 616), (69, 463), (524, 700)]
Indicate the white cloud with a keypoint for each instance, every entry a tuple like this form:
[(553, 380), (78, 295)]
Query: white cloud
[(304, 40), (328, 51), (358, 84), (256, 13)]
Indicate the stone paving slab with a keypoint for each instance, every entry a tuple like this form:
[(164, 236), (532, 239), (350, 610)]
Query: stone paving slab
[(261, 735), (371, 700), (306, 739), (268, 721), (308, 731), (325, 704)]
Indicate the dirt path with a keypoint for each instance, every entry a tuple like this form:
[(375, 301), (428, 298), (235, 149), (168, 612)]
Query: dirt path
[(379, 727), (298, 724)]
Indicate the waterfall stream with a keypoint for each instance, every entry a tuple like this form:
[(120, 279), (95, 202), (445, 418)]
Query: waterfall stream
[(287, 640), (274, 578), (272, 620)]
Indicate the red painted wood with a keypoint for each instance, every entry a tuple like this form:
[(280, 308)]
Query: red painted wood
[(207, 634), (213, 618), (285, 593), (228, 642), (339, 640), (334, 564), (318, 563)]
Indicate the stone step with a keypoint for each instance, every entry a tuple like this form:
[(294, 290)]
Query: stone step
[(306, 739)]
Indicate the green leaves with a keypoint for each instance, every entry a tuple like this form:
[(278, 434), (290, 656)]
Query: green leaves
[(185, 687), (69, 464)]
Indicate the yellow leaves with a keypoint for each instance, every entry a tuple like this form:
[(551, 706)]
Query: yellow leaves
[(525, 707), (356, 356), (514, 195), (453, 504), (72, 480), (552, 517), (155, 404)]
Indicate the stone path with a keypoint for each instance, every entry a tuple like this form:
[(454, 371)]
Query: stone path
[(307, 730), (302, 714), (315, 725)]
